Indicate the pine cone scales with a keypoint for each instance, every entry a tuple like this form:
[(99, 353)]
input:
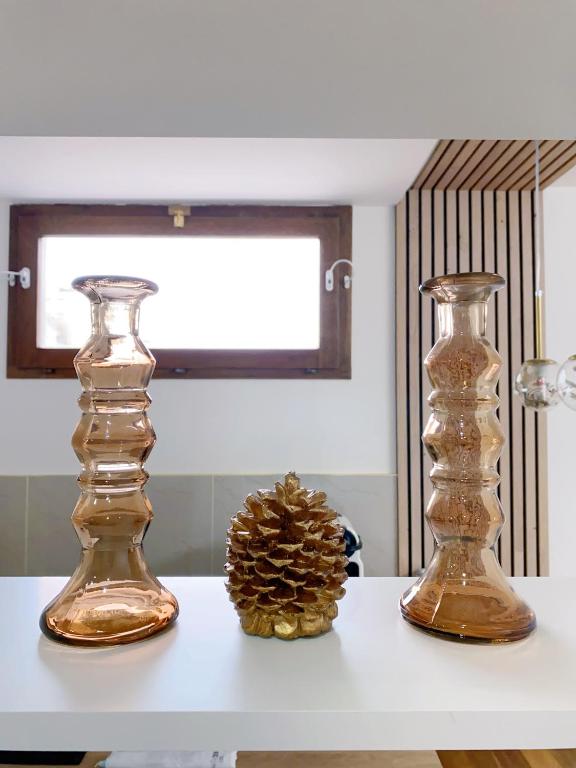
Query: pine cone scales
[(285, 562)]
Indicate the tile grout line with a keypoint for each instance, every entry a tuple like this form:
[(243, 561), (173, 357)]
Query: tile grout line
[(26, 503)]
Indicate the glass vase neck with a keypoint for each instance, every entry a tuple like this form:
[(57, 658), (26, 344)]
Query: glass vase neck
[(463, 301), (115, 302), (467, 319), (115, 318)]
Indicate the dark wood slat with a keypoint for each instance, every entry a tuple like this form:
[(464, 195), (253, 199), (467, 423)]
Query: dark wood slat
[(451, 232), (502, 337), (488, 253), (464, 250), (516, 433), (439, 239), (476, 231)]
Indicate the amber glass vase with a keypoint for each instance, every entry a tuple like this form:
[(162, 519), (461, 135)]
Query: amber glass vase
[(112, 596), (463, 593)]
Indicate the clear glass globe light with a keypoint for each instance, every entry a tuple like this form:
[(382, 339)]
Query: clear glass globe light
[(567, 382), (536, 384)]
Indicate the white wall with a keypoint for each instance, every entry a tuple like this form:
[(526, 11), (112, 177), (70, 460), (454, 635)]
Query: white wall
[(560, 266), (240, 426)]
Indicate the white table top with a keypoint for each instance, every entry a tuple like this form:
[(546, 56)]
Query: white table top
[(372, 683)]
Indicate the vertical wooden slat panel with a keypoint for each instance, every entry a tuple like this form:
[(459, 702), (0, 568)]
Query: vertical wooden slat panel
[(476, 231), (530, 465), (516, 434), (426, 242), (402, 394), (414, 372), (463, 231), (505, 546), (439, 260), (488, 256), (459, 219), (451, 232)]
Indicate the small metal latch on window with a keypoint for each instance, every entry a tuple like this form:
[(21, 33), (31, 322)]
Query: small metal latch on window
[(329, 276), (179, 212), (23, 276)]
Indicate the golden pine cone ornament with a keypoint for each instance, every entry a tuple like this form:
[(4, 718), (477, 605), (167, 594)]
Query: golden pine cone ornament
[(285, 562)]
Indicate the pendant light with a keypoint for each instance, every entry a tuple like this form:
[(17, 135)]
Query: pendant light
[(567, 382), (536, 382)]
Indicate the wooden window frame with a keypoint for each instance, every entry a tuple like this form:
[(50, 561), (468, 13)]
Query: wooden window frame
[(331, 224)]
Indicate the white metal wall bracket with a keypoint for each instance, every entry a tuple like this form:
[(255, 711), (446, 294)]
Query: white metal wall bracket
[(329, 276), (23, 277)]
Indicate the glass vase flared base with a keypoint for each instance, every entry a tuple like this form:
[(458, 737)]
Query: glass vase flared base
[(476, 612), (111, 614)]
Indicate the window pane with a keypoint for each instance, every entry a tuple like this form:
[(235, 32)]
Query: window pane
[(215, 292)]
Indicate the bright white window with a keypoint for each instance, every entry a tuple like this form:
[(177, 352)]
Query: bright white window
[(242, 288), (230, 293)]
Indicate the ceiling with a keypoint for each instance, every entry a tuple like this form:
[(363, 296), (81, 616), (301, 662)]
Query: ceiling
[(288, 68), (357, 171)]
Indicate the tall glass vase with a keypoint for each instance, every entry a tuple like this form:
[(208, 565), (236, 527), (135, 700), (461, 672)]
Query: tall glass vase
[(463, 593), (112, 597)]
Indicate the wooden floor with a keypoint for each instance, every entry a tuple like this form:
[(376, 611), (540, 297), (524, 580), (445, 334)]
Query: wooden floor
[(338, 760), (555, 758), (534, 758), (549, 758)]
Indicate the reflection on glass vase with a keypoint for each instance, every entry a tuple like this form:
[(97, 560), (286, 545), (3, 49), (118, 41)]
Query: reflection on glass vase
[(463, 593), (112, 597)]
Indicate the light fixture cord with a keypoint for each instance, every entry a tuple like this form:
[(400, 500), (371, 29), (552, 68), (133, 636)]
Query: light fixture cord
[(537, 234)]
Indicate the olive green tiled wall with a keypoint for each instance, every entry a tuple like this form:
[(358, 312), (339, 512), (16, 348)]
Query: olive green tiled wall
[(187, 535)]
